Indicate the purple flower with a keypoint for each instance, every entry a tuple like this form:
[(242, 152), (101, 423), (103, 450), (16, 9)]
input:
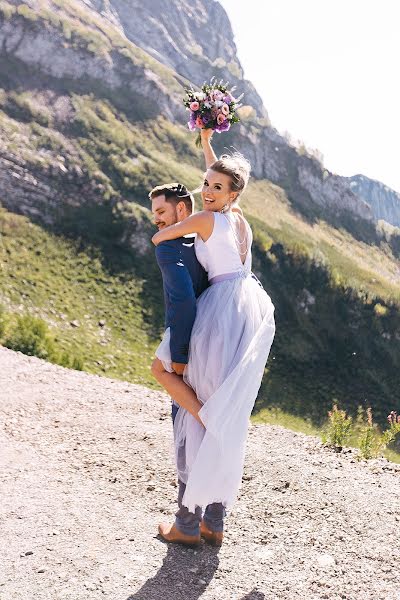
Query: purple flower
[(225, 126), (192, 121)]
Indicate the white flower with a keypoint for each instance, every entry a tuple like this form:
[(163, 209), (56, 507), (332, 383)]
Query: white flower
[(200, 95), (207, 104), (218, 103)]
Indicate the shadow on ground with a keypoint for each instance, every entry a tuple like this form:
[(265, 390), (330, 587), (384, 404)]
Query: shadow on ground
[(185, 575)]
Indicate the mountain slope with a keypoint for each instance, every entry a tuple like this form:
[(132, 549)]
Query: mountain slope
[(74, 47)]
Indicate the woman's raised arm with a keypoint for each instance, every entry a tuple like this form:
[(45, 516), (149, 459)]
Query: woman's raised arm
[(209, 154), (201, 223)]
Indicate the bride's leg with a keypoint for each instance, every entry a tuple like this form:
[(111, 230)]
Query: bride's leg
[(182, 393)]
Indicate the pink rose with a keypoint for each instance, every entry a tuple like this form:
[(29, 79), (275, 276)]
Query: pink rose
[(199, 123), (194, 106), (220, 119), (225, 109)]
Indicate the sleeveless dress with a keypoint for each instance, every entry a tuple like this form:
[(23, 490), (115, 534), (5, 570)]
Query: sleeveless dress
[(229, 347)]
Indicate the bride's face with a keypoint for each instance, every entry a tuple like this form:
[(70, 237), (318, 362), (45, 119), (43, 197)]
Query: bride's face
[(216, 191)]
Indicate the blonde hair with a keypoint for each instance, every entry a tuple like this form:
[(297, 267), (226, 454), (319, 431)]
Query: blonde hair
[(237, 167)]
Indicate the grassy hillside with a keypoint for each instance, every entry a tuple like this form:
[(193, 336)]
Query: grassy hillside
[(72, 287)]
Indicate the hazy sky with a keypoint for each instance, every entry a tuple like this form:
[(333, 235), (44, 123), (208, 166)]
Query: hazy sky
[(328, 72)]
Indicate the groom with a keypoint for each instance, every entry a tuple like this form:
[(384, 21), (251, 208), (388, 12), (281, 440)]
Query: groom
[(184, 279)]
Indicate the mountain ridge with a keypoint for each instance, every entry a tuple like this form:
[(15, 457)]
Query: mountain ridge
[(384, 201), (28, 36)]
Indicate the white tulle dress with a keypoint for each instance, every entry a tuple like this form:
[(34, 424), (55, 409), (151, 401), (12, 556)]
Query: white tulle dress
[(229, 347)]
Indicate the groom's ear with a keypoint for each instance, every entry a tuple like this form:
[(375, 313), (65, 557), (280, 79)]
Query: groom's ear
[(181, 209)]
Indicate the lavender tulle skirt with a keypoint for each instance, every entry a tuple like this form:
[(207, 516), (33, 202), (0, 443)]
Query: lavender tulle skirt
[(229, 348)]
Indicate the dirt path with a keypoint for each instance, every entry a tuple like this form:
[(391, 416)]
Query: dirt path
[(87, 474)]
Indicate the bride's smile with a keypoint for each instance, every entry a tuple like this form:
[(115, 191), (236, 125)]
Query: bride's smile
[(216, 191)]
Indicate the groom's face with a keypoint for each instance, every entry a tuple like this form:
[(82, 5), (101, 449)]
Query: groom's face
[(164, 212)]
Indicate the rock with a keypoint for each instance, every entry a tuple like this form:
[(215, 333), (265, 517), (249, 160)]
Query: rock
[(326, 560), (74, 323), (384, 202)]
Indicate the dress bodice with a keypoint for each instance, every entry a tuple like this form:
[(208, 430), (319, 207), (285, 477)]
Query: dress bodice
[(219, 254)]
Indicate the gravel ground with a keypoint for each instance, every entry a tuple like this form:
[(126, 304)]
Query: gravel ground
[(87, 474)]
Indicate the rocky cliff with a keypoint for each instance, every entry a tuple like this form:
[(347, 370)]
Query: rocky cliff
[(138, 56), (384, 202)]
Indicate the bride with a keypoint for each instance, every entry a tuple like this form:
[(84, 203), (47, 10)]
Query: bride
[(229, 347)]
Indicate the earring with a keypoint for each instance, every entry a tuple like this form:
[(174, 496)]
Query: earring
[(225, 208)]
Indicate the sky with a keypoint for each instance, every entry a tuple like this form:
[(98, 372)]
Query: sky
[(328, 73)]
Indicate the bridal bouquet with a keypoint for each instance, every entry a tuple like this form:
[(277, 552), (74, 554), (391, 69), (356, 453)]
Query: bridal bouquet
[(212, 108)]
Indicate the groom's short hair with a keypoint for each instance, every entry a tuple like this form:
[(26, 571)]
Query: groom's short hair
[(174, 193)]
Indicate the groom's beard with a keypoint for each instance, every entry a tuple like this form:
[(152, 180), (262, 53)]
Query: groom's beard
[(173, 218)]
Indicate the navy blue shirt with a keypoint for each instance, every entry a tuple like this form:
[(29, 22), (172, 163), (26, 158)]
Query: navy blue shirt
[(184, 279)]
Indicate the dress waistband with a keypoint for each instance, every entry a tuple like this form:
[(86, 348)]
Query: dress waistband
[(228, 276)]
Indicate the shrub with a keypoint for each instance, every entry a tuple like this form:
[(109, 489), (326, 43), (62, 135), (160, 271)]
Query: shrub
[(65, 360), (372, 443), (338, 429), (31, 336)]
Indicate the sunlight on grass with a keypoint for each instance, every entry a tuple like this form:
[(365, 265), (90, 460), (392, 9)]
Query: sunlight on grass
[(276, 416)]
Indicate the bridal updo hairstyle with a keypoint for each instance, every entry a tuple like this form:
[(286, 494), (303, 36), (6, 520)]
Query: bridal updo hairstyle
[(237, 167)]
